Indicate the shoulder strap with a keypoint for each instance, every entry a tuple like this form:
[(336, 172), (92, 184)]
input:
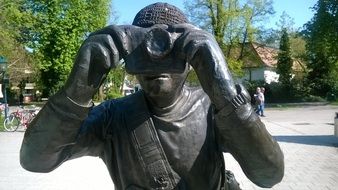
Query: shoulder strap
[(147, 144)]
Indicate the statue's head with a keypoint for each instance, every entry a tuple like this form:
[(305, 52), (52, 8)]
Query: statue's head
[(159, 13), (154, 40), (164, 83)]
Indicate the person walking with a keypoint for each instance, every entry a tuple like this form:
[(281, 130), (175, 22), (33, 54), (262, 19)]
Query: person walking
[(257, 100), (262, 101)]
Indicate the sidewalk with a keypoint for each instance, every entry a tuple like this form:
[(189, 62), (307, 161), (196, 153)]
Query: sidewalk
[(305, 136), (310, 150)]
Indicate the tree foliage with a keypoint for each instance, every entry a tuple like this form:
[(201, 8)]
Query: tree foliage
[(255, 11), (58, 29), (297, 42), (12, 19), (321, 35), (286, 22), (114, 82), (284, 63), (231, 21)]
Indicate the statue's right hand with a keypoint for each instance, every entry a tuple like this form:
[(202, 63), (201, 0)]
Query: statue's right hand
[(97, 55)]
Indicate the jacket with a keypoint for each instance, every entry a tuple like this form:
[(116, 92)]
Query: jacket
[(189, 137)]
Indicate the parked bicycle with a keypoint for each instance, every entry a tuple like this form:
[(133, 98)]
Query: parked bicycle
[(20, 118)]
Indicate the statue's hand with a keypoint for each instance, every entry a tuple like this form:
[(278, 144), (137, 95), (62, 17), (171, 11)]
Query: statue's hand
[(97, 55), (202, 52)]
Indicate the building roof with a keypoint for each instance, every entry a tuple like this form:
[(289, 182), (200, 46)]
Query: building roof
[(260, 55), (256, 55), (268, 55)]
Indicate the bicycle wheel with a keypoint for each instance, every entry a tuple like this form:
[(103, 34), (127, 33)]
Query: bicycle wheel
[(11, 123)]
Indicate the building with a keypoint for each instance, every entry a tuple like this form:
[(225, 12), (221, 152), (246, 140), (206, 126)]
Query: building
[(260, 63)]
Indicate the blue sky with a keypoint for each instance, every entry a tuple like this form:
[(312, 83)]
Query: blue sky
[(299, 10)]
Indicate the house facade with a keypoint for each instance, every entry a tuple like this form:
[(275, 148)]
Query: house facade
[(260, 63)]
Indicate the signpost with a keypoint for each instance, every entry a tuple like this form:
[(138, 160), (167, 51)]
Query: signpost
[(3, 69)]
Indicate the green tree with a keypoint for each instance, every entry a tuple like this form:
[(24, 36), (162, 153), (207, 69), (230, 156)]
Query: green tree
[(284, 63), (221, 18), (58, 30), (286, 22), (215, 16), (232, 23), (297, 44), (12, 19), (269, 37), (113, 84), (296, 40), (321, 35), (254, 12)]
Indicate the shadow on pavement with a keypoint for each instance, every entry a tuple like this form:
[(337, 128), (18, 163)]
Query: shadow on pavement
[(320, 140)]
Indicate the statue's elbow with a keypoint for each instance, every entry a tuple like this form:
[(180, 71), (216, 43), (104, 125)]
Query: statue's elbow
[(275, 178), (270, 177), (33, 162)]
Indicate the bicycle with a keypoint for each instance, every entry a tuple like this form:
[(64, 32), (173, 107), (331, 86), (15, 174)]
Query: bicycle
[(19, 118)]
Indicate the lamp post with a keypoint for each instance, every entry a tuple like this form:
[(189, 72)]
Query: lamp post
[(3, 69)]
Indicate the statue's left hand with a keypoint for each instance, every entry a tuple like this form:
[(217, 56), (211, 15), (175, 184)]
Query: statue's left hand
[(97, 55), (202, 52)]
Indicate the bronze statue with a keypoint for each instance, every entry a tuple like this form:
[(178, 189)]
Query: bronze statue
[(168, 135)]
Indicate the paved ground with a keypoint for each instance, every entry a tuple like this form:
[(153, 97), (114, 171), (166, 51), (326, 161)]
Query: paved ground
[(310, 149), (305, 135)]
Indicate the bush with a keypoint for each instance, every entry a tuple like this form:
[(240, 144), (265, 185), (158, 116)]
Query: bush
[(112, 94), (332, 95), (278, 93), (312, 98)]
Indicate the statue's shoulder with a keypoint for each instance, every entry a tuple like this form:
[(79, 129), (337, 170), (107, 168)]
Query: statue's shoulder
[(130, 100), (196, 90), (197, 94), (131, 105)]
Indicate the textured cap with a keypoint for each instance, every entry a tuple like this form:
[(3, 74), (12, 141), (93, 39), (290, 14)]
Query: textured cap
[(159, 13)]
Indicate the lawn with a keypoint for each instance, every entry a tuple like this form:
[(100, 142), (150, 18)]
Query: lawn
[(2, 123)]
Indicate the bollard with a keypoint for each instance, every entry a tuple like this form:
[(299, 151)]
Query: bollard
[(336, 125)]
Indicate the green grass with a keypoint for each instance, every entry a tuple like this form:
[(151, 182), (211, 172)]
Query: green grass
[(334, 103), (2, 123)]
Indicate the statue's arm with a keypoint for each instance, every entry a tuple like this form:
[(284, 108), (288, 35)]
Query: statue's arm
[(240, 130), (54, 135), (245, 136)]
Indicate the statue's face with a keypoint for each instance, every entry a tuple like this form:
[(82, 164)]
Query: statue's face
[(161, 85)]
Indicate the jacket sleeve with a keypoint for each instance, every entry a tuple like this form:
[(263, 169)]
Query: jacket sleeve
[(242, 133), (240, 130), (56, 135)]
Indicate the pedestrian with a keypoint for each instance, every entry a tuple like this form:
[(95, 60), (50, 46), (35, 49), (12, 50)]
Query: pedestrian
[(263, 101), (258, 100), (166, 135), (21, 97)]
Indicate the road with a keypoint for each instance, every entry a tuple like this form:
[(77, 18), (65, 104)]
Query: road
[(305, 135)]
